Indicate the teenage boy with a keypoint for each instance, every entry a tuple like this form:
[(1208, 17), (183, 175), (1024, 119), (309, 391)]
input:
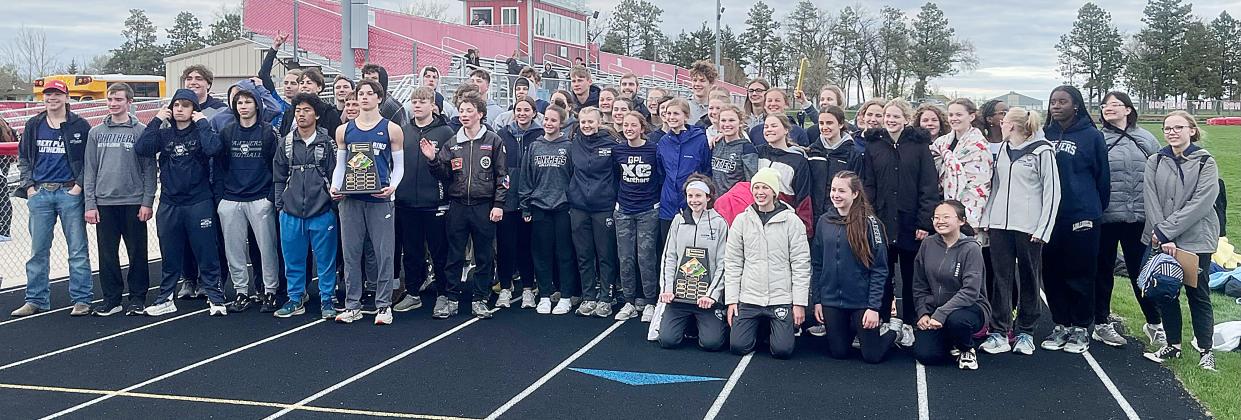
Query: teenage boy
[(482, 79), (521, 90), (244, 185), (311, 81), (198, 79), (185, 144), (629, 90), (702, 77), (288, 85), (585, 93), (473, 169), (120, 193), (307, 219), (431, 80), (420, 205), (49, 158), (390, 109)]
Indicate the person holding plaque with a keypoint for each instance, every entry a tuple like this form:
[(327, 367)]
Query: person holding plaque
[(692, 277), (364, 173)]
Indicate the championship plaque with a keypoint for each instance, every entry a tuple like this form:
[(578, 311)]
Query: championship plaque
[(692, 279), (361, 170)]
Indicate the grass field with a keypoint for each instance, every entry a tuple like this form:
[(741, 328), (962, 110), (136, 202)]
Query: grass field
[(1219, 391)]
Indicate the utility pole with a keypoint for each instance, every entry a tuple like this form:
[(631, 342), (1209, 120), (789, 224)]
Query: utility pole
[(719, 11), (346, 51)]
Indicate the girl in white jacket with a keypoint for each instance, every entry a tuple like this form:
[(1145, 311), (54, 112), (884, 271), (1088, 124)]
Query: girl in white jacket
[(695, 247)]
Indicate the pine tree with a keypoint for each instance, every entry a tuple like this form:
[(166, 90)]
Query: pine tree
[(935, 49), (622, 29), (139, 54), (225, 29), (185, 34), (1159, 48), (1227, 34), (1092, 49), (1197, 63), (762, 40), (73, 67), (849, 37), (650, 38)]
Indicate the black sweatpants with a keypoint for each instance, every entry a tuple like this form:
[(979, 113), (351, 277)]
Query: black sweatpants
[(513, 254), (1070, 262), (1201, 314), (931, 346), (664, 227), (676, 320), (115, 223), (594, 238), (421, 232), (196, 226), (1018, 266), (1129, 237), (844, 324), (779, 319), (552, 253), (465, 223), (906, 260)]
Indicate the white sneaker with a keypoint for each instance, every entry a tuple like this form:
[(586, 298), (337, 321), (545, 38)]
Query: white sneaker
[(996, 343), (817, 330), (528, 298), (628, 311), (504, 299), (348, 316), (968, 360), (384, 316), (587, 308), (1155, 334), (648, 313), (217, 309), (562, 307), (164, 308), (545, 306)]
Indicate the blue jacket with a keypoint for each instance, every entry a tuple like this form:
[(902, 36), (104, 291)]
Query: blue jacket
[(593, 184), (840, 280), (1085, 176), (681, 154), (184, 156), (269, 108), (516, 142)]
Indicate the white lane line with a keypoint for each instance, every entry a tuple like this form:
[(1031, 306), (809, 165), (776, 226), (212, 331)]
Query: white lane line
[(179, 371), (1111, 387), (924, 406), (300, 404), (728, 387), (63, 279), (98, 340), (551, 373), (62, 309)]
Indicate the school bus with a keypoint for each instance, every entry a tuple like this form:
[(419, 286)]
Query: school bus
[(84, 87)]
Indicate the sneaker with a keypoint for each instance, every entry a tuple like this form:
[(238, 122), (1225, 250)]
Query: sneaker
[(1079, 341), (408, 303), (555, 297), (337, 304), (186, 291), (1155, 335), (449, 309), (80, 309), (1164, 353), (240, 305), (587, 308), (904, 333), (817, 330), (269, 304), (1024, 345), (480, 309), (291, 308), (327, 311), (504, 299), (106, 310), (996, 343), (1057, 339), (603, 310), (544, 307), (648, 313), (216, 309), (1207, 361), (627, 311), (562, 307), (384, 316), (575, 301), (1106, 334), (440, 303), (348, 316), (955, 353), (135, 309), (857, 344), (968, 360), (528, 298), (161, 308)]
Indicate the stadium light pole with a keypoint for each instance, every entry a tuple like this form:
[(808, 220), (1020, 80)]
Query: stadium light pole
[(346, 48)]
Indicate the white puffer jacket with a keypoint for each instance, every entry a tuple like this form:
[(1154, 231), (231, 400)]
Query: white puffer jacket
[(767, 264)]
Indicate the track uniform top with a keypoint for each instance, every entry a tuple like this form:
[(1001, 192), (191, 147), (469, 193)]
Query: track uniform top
[(379, 138)]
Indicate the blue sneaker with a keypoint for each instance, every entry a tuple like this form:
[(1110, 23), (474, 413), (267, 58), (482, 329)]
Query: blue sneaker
[(291, 308), (327, 311)]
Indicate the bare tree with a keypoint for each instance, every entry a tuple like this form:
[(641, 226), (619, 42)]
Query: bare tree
[(432, 9), (28, 52)]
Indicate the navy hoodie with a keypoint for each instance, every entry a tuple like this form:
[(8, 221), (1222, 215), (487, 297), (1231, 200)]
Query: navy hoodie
[(243, 169), (516, 142), (840, 279), (1081, 155), (593, 185), (184, 155), (592, 98), (681, 155), (796, 133), (641, 176)]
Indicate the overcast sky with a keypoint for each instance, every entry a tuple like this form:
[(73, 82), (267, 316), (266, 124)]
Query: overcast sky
[(1015, 40)]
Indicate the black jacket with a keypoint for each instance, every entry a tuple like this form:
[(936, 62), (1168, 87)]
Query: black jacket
[(594, 183), (301, 183), (825, 164), (840, 279), (74, 130), (474, 171), (516, 144), (419, 189), (901, 181)]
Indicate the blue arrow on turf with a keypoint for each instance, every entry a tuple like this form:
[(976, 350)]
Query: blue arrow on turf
[(643, 378)]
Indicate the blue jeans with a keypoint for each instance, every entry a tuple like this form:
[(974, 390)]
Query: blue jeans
[(45, 207), (297, 237)]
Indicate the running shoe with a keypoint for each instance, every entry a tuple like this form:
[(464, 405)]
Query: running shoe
[(1207, 361), (968, 360), (562, 307), (603, 310), (161, 308), (628, 311), (291, 308), (544, 307), (1024, 345), (408, 303), (80, 309), (504, 298), (587, 308), (1079, 341), (996, 343), (327, 311), (216, 309), (1155, 335), (240, 304), (449, 309), (106, 310), (383, 316), (648, 313), (348, 316), (269, 304), (480, 309), (1106, 334), (1058, 338), (528, 298)]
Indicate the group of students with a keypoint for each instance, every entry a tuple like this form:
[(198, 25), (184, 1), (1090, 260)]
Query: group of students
[(595, 199)]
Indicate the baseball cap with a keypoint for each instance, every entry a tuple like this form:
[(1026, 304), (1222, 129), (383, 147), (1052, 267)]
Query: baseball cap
[(58, 85)]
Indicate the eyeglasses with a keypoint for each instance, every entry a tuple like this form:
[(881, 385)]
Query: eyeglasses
[(757, 90), (1175, 129)]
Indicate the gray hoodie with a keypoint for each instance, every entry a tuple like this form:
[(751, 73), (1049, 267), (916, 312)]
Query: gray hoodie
[(545, 174), (949, 278), (1126, 157), (1180, 199), (710, 232), (1025, 190), (732, 162), (113, 175)]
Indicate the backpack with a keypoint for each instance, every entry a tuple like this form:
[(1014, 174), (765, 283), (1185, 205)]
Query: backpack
[(1160, 279), (318, 152)]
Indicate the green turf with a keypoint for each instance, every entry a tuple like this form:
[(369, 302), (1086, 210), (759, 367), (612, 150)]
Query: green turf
[(1219, 391)]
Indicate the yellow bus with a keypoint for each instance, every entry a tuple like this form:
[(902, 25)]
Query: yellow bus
[(84, 87)]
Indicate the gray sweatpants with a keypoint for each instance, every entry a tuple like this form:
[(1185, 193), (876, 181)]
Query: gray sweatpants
[(359, 221), (235, 218), (637, 249)]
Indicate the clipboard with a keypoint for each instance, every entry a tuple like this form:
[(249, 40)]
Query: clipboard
[(1189, 265)]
